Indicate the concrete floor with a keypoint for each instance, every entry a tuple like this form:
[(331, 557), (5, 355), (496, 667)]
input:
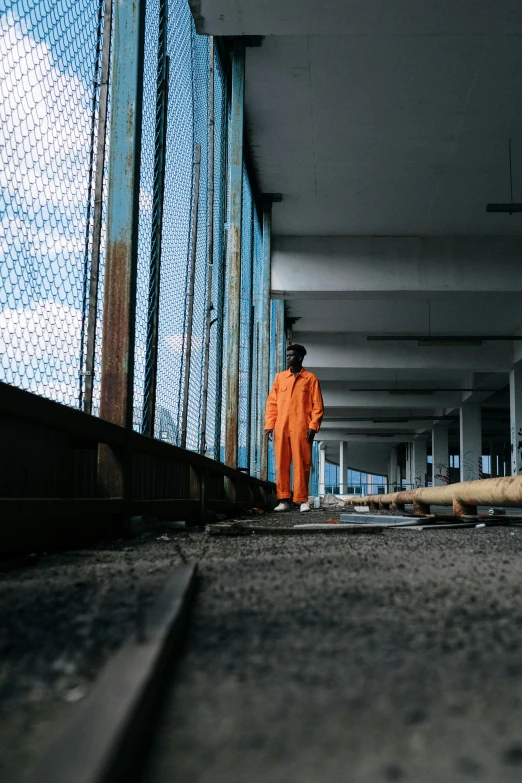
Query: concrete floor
[(318, 659), (365, 659)]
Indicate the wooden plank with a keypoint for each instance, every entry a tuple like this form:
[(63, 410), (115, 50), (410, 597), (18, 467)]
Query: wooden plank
[(102, 742)]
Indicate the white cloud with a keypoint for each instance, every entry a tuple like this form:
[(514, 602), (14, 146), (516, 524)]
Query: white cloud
[(45, 127), (176, 342), (40, 348)]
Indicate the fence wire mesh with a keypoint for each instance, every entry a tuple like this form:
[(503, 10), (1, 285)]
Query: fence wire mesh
[(213, 428), (50, 63), (258, 402), (50, 58), (245, 327)]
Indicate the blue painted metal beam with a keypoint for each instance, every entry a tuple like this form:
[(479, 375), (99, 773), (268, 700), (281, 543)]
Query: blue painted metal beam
[(122, 213), (235, 198), (117, 372), (264, 332), (280, 336)]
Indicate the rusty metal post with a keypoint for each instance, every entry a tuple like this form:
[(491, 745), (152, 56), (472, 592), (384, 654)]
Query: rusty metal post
[(97, 212), (220, 295), (210, 250), (264, 332), (162, 89), (190, 299), (117, 377), (235, 198), (252, 391)]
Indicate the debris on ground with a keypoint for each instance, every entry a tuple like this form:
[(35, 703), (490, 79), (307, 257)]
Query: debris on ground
[(332, 501)]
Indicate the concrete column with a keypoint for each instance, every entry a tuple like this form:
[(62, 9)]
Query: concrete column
[(343, 466), (493, 452), (470, 442), (440, 451), (408, 466), (419, 463), (392, 470), (322, 460), (515, 412), (497, 459)]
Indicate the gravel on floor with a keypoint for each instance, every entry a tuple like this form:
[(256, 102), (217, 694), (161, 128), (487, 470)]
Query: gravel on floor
[(61, 616), (395, 657), (374, 658)]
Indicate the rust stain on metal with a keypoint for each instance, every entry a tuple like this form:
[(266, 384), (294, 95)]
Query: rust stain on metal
[(115, 345)]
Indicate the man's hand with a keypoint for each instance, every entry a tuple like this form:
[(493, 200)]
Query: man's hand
[(269, 434), (310, 435)]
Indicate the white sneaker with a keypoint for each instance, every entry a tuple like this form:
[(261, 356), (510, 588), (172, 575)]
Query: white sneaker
[(305, 507), (284, 505)]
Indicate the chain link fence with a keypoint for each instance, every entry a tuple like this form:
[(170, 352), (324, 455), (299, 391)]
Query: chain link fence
[(51, 54), (50, 60)]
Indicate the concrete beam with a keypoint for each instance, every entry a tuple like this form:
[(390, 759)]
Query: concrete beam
[(335, 394), (373, 17), (362, 437), (353, 351), (355, 267)]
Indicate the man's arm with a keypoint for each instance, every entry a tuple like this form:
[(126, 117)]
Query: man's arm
[(271, 410), (317, 407)]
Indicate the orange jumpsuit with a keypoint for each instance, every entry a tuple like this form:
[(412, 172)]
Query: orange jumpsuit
[(294, 406)]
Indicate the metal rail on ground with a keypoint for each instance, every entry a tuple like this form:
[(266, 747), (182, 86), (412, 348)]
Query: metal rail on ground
[(101, 743)]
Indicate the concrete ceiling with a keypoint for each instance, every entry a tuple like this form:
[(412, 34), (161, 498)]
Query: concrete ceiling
[(374, 117), (376, 120), (357, 17), (386, 135)]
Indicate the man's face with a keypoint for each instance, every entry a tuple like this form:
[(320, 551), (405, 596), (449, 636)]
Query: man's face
[(293, 359)]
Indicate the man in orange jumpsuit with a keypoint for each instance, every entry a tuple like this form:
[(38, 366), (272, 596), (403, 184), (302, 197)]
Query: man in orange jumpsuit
[(294, 411)]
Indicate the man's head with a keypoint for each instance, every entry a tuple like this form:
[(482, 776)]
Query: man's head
[(295, 355)]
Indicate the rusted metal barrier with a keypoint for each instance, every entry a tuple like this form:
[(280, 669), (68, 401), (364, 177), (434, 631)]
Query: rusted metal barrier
[(464, 496), (53, 490)]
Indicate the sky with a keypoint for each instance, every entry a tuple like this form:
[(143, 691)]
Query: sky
[(45, 124), (47, 66)]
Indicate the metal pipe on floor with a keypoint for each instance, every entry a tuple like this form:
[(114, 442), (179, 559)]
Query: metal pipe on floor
[(464, 496), (190, 299)]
